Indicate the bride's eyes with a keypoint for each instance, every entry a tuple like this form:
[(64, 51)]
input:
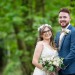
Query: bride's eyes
[(46, 31)]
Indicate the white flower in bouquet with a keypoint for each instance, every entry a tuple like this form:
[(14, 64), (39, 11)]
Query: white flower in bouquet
[(57, 61), (50, 63)]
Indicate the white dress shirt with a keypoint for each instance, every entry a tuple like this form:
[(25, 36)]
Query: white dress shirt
[(62, 35)]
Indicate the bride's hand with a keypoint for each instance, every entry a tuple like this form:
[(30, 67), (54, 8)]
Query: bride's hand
[(57, 69)]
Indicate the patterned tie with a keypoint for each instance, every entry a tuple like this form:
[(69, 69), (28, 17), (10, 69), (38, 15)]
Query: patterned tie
[(61, 37)]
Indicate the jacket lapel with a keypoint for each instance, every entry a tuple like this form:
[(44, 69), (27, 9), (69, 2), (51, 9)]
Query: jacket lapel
[(58, 39), (64, 37)]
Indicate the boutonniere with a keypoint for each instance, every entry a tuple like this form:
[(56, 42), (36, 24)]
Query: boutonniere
[(66, 31)]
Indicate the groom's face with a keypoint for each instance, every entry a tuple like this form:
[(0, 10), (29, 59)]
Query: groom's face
[(64, 19)]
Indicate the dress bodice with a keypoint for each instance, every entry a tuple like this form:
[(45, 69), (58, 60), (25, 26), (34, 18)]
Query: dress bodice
[(48, 51), (45, 52)]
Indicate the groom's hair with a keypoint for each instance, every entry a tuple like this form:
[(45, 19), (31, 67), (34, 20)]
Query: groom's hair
[(66, 10)]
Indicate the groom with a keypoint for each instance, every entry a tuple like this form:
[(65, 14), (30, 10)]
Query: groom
[(65, 42)]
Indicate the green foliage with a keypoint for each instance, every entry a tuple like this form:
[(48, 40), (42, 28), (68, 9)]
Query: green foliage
[(13, 68), (19, 21)]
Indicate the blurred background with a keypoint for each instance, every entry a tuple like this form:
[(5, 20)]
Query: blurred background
[(19, 20)]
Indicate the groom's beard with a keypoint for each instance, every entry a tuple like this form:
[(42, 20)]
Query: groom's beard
[(63, 24)]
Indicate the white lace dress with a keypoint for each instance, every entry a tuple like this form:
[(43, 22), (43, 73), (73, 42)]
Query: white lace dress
[(46, 51)]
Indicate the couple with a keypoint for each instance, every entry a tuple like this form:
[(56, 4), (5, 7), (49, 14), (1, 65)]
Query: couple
[(64, 41)]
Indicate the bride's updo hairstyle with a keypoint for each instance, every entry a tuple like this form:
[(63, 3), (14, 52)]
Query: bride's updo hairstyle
[(41, 29)]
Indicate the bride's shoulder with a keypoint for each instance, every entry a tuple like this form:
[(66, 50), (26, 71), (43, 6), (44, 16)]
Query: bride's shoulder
[(40, 43)]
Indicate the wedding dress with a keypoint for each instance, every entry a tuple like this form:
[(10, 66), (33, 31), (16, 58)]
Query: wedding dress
[(46, 51)]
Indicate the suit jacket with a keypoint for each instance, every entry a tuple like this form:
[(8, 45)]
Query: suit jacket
[(67, 50)]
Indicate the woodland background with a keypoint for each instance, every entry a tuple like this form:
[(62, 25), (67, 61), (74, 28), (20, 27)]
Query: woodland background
[(19, 20)]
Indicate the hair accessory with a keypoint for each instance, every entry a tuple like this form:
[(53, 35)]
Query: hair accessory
[(43, 26)]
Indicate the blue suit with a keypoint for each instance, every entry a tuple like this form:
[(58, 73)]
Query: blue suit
[(67, 50)]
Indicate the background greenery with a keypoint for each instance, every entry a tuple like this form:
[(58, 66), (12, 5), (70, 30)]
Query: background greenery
[(19, 20)]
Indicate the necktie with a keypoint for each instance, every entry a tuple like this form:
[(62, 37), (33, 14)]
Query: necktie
[(60, 39)]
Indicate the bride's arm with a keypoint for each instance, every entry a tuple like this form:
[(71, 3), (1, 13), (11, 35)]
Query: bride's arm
[(36, 56)]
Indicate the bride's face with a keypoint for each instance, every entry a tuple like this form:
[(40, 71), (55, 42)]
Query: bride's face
[(46, 33)]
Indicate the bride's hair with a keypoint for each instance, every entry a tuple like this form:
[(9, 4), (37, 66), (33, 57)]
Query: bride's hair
[(41, 29)]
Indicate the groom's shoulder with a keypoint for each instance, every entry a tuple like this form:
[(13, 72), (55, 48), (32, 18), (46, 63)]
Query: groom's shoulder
[(58, 32), (73, 30)]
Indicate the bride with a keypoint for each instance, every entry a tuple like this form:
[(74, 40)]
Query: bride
[(44, 47)]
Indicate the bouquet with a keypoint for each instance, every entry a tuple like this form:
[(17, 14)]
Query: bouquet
[(50, 63)]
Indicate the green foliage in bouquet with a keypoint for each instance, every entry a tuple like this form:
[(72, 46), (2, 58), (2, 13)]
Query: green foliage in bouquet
[(48, 67), (50, 63)]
